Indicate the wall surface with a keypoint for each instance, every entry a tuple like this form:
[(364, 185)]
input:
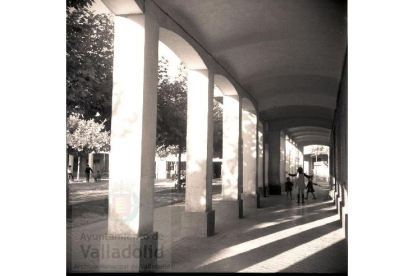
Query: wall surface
[(339, 149)]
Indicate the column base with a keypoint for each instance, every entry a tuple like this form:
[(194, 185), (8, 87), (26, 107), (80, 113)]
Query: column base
[(336, 200), (230, 209), (262, 191), (343, 216), (346, 226), (338, 207), (198, 224), (251, 200), (275, 189), (122, 253), (343, 213)]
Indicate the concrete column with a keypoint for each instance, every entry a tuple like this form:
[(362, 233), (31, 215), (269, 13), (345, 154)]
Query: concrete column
[(70, 161), (249, 125), (301, 157), (260, 182), (266, 167), (198, 218), (78, 168), (274, 161), (133, 135), (231, 206), (282, 162), (90, 160), (307, 163), (162, 168)]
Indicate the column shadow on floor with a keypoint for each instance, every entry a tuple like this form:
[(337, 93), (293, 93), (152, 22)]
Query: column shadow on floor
[(338, 260), (262, 253), (203, 249)]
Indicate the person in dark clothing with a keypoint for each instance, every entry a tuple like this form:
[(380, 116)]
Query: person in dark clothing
[(309, 189), (98, 176), (288, 188), (88, 172)]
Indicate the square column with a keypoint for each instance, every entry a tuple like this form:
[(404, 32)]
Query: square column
[(90, 160), (231, 206), (198, 218), (133, 135), (276, 161), (70, 161), (260, 182), (266, 168), (282, 162), (250, 196)]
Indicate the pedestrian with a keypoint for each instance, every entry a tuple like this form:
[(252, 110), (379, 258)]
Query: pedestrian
[(88, 172), (98, 176), (309, 188), (288, 188), (300, 183), (70, 175)]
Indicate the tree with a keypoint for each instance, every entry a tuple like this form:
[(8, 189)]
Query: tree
[(89, 60), (319, 150), (172, 115), (218, 127), (85, 136), (77, 4)]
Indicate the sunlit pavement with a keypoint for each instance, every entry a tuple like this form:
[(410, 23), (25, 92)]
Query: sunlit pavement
[(281, 236)]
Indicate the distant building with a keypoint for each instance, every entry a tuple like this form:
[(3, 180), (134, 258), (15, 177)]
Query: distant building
[(318, 166), (165, 167)]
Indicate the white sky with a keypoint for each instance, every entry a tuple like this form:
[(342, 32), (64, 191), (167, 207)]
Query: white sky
[(174, 61)]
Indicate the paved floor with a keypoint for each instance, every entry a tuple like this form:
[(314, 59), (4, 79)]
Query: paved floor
[(282, 236), (88, 202)]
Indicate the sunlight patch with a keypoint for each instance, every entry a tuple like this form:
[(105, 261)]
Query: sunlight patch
[(299, 253), (265, 240)]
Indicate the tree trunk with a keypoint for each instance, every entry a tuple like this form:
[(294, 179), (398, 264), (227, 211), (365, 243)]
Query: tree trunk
[(67, 180), (79, 161), (179, 169)]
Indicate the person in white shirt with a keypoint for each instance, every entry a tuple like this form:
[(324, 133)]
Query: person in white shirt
[(70, 175), (300, 182)]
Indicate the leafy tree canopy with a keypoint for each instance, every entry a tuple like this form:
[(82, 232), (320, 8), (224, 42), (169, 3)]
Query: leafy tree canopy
[(319, 149), (89, 60), (85, 136), (78, 4), (218, 128), (172, 113)]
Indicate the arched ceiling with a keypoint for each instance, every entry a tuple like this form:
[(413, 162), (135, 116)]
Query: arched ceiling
[(288, 54), (309, 135)]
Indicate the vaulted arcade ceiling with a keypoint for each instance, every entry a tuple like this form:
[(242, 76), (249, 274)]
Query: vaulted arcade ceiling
[(288, 54)]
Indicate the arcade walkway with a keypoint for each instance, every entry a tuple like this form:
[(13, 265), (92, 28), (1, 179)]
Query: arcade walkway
[(281, 69), (281, 236)]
